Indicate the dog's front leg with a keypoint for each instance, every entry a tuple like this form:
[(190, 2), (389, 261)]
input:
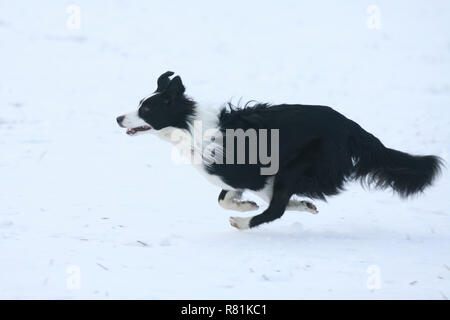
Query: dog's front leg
[(297, 205), (231, 200), (277, 206)]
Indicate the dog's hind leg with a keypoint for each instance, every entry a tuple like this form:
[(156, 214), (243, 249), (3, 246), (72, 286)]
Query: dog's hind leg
[(297, 205), (277, 206), (231, 200)]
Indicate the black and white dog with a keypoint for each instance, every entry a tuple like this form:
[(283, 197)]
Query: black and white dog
[(314, 150)]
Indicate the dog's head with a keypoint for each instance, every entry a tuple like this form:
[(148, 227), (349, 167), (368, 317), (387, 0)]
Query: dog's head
[(166, 107)]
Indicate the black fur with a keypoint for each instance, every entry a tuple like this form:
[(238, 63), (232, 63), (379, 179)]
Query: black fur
[(320, 150), (163, 81), (383, 167), (222, 195), (170, 107)]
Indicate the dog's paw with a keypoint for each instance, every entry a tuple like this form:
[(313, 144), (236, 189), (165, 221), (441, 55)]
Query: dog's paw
[(237, 205), (245, 206), (240, 223), (309, 207)]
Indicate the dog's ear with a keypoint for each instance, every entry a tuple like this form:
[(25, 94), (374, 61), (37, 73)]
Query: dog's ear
[(175, 87), (163, 81)]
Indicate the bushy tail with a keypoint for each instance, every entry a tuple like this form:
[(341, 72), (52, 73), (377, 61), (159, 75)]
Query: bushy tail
[(376, 165)]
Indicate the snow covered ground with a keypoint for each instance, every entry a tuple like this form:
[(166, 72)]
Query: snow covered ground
[(88, 212)]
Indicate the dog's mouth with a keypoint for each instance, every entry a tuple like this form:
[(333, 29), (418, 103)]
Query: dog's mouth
[(133, 131)]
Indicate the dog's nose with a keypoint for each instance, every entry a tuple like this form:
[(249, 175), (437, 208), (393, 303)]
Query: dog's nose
[(120, 119)]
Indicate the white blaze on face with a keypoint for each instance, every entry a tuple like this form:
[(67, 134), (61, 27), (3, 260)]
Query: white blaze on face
[(132, 120), (134, 123)]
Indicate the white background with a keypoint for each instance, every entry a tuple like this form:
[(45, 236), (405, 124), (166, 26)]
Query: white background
[(88, 212)]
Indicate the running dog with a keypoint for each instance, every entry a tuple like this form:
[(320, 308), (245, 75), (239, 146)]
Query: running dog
[(317, 151)]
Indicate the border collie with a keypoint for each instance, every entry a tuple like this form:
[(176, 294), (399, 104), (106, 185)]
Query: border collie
[(317, 151)]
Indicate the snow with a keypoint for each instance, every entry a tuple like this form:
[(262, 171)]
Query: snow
[(89, 212)]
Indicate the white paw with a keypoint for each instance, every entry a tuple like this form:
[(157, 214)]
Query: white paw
[(237, 205), (240, 223), (244, 206), (309, 207)]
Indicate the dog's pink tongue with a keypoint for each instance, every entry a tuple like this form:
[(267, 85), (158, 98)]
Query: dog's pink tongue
[(131, 131)]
